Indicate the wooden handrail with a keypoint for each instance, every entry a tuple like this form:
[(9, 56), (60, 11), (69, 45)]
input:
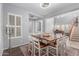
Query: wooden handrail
[(71, 29)]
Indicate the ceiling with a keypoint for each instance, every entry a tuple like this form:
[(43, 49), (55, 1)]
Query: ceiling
[(52, 10)]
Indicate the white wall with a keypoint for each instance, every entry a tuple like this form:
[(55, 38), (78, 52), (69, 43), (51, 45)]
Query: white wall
[(66, 18), (49, 23), (1, 40), (25, 25), (63, 19)]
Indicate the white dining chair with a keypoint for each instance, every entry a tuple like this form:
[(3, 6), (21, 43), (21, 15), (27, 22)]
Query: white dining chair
[(62, 45), (53, 49), (59, 48), (40, 49), (30, 46)]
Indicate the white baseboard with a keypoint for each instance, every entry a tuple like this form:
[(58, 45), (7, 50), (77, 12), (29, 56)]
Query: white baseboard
[(17, 45)]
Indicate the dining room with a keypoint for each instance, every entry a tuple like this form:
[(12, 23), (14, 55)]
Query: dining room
[(46, 31)]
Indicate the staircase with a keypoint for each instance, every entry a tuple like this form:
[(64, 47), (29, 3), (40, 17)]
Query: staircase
[(74, 37), (75, 34)]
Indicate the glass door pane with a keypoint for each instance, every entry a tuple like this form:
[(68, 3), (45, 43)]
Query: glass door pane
[(12, 31), (18, 31), (18, 21), (11, 20)]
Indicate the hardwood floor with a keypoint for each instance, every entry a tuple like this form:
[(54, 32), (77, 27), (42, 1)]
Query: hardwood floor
[(22, 51), (13, 52)]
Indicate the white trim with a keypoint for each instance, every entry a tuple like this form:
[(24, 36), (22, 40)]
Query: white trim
[(16, 37), (1, 30), (13, 14)]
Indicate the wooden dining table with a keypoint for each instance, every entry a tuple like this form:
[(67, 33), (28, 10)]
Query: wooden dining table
[(47, 38)]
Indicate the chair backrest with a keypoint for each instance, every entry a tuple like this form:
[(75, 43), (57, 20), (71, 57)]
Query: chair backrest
[(36, 42), (58, 35), (62, 45)]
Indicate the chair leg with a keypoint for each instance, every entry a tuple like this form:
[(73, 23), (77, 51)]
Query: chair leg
[(57, 52), (34, 51), (47, 51), (39, 52)]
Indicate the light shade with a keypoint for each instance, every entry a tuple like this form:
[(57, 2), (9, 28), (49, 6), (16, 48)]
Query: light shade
[(44, 5)]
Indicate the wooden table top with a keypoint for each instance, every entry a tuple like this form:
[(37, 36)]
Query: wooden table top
[(41, 37)]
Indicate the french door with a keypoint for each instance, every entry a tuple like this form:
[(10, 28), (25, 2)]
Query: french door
[(13, 27)]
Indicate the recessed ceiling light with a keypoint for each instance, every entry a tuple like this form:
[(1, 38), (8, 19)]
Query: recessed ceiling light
[(44, 5)]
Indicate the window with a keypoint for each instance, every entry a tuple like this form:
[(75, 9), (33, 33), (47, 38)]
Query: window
[(35, 24), (14, 25), (38, 27)]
